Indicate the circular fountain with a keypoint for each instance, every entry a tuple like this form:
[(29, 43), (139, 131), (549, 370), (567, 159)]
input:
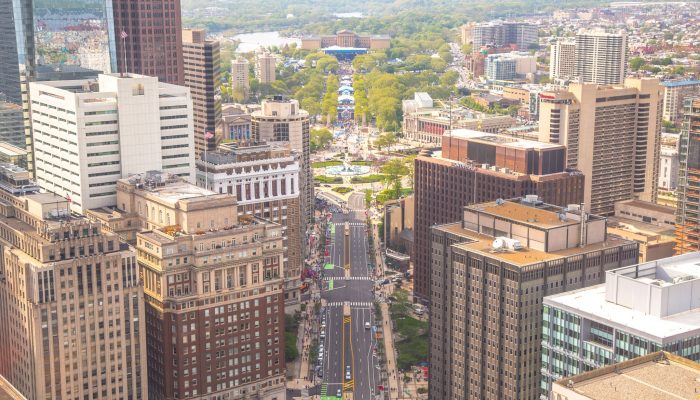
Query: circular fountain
[(347, 169)]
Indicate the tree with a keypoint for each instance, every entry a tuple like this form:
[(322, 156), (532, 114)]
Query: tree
[(636, 63), (368, 197), (385, 140), (238, 94), (394, 169), (319, 138)]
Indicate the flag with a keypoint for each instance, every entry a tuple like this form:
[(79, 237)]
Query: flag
[(68, 197), (123, 35), (208, 135)]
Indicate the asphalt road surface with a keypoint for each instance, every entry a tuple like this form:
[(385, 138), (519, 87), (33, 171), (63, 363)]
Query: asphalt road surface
[(348, 343)]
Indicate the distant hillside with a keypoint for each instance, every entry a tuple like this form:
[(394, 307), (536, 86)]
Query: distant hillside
[(311, 15)]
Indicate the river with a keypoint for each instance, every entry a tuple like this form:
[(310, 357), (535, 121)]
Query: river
[(251, 41)]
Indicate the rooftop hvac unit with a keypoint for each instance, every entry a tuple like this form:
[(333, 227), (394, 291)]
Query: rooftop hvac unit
[(532, 198), (683, 278), (506, 244), (573, 207)]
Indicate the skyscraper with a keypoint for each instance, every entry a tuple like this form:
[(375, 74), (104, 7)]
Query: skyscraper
[(612, 135), (265, 67), (265, 180), (688, 210), (601, 56), (500, 34), (202, 76), (474, 167), (91, 133), (562, 60), (71, 300), (214, 283), (239, 76), (490, 272), (281, 120), (52, 40), (153, 42), (675, 92)]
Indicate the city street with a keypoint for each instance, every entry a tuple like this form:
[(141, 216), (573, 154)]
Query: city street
[(350, 364)]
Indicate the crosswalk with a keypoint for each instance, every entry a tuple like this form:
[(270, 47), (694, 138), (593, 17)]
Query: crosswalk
[(349, 278), (351, 303)]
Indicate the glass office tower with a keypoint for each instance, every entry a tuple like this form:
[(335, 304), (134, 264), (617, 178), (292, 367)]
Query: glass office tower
[(52, 40)]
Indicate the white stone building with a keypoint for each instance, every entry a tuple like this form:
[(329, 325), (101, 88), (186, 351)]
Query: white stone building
[(90, 133)]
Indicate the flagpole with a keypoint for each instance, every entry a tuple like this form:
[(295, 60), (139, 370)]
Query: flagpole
[(123, 36)]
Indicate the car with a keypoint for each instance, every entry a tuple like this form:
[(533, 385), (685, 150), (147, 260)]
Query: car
[(323, 335), (320, 373), (339, 393), (367, 325), (323, 324)]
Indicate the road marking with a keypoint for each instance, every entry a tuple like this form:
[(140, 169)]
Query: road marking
[(347, 278), (354, 304)]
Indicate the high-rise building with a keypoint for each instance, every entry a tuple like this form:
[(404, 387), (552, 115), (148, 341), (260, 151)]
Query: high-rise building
[(675, 92), (500, 34), (466, 33), (281, 120), (509, 66), (474, 167), (10, 154), (52, 41), (202, 76), (265, 67), (688, 210), (240, 71), (490, 272), (612, 135), (214, 292), (153, 42), (562, 60), (91, 133), (601, 56), (265, 180), (659, 375), (71, 300), (12, 124), (640, 309)]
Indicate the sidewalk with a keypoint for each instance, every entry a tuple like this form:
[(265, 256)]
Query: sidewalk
[(393, 376)]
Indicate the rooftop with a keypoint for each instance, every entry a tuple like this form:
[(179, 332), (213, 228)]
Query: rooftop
[(167, 187), (646, 205), (656, 376), (503, 140), (687, 82), (653, 300)]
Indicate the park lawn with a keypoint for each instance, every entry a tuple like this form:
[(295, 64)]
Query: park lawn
[(324, 164), (328, 179), (342, 189), (411, 338), (361, 162), (368, 178)]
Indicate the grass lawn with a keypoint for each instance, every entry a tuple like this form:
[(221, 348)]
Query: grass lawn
[(361, 162), (324, 164), (342, 189), (368, 178), (328, 179), (411, 338)]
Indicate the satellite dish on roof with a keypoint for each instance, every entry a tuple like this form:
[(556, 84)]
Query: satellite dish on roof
[(500, 202), (562, 216)]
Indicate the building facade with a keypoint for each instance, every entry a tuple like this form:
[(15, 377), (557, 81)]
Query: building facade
[(475, 167), (641, 309), (91, 133), (52, 41), (71, 300), (203, 76), (240, 72), (346, 38), (613, 136), (501, 34), (601, 56), (669, 167), (688, 210), (428, 125), (265, 180), (265, 68), (562, 60), (281, 120), (12, 124), (153, 45), (509, 66), (490, 272), (236, 125), (214, 292), (675, 92)]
